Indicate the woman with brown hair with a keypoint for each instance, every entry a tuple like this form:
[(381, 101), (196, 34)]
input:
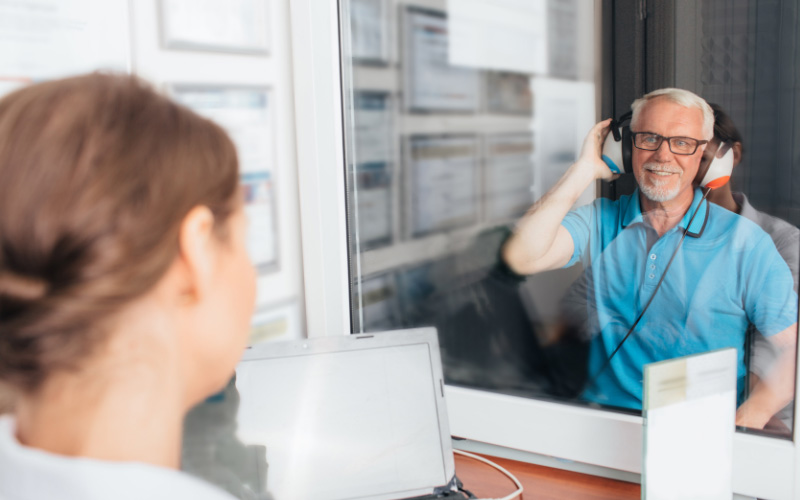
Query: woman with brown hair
[(125, 286)]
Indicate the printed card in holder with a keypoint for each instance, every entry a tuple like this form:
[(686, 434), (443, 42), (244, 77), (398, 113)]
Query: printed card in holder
[(689, 422)]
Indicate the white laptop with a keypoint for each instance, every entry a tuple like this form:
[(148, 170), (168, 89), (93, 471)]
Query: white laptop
[(350, 417)]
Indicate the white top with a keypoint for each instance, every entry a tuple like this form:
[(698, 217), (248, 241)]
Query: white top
[(31, 474)]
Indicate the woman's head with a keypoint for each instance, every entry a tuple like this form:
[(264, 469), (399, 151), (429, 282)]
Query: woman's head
[(99, 175)]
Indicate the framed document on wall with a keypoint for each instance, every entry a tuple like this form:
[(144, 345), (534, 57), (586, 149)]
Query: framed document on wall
[(50, 39), (245, 113), (215, 25)]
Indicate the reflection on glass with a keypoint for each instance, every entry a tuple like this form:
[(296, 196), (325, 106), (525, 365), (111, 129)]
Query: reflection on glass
[(443, 181), (467, 163), (213, 451), (509, 176), (763, 354), (431, 83)]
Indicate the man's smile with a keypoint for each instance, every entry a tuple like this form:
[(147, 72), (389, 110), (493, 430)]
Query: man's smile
[(661, 170)]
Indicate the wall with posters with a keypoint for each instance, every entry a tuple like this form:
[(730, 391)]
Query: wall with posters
[(226, 59)]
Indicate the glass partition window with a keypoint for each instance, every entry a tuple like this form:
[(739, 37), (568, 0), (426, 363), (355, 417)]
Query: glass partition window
[(461, 118)]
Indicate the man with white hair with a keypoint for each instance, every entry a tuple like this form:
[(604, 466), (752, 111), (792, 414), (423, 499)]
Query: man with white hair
[(668, 273)]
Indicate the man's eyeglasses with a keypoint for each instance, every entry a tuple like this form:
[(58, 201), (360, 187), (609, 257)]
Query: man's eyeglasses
[(678, 145)]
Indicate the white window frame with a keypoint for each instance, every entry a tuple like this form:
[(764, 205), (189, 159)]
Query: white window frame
[(763, 467)]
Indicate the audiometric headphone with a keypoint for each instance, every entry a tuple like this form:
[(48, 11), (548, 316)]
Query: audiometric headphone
[(618, 148), (718, 171), (618, 152)]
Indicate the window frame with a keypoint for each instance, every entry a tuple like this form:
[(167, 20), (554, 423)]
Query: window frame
[(763, 467)]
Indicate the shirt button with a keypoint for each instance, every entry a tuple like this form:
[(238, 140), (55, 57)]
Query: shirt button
[(652, 256), (652, 276), (653, 267)]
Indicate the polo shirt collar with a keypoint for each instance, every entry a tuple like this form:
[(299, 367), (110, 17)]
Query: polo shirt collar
[(633, 214)]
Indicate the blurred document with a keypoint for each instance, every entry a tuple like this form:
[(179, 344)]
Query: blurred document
[(259, 203), (276, 322), (499, 34), (563, 35), (373, 181), (245, 115), (508, 93), (50, 39), (373, 127), (243, 112), (689, 423), (373, 159), (509, 176), (369, 30), (226, 25), (444, 182), (378, 301), (564, 114), (432, 83)]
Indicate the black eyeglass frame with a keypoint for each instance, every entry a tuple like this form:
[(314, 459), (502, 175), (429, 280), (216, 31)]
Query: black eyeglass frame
[(699, 142)]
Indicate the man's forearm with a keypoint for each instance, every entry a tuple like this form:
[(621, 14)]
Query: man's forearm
[(530, 248), (776, 390)]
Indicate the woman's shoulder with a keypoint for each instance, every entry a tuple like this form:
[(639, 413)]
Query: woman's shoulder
[(28, 473)]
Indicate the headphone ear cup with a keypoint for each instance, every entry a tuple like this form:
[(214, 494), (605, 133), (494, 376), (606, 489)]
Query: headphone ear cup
[(612, 153), (627, 148), (719, 170), (617, 147)]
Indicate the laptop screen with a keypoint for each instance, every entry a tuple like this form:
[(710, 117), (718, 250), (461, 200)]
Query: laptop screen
[(347, 417)]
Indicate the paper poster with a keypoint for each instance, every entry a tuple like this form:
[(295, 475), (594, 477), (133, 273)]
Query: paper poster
[(276, 322), (259, 203), (563, 36), (247, 117), (377, 298), (374, 197), (431, 81), (508, 93), (509, 176), (565, 112), (506, 35), (444, 182), (372, 127), (224, 25), (50, 39), (373, 157), (369, 36)]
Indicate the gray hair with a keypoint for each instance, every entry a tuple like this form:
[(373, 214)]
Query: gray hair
[(678, 96)]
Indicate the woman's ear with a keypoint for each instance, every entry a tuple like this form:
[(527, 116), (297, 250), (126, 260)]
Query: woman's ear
[(197, 251)]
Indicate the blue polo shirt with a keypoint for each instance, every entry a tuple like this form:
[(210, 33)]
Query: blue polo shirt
[(726, 276)]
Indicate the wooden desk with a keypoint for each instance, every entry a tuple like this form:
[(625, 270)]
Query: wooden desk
[(540, 483)]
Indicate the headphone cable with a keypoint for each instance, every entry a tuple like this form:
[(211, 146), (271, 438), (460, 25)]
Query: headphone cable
[(652, 296)]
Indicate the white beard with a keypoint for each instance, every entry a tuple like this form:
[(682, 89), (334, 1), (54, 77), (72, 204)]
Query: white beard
[(661, 191)]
